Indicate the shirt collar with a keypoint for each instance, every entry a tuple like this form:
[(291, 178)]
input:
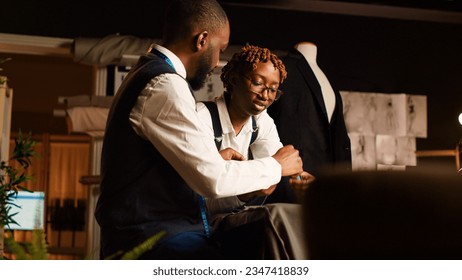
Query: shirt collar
[(225, 120), (177, 64)]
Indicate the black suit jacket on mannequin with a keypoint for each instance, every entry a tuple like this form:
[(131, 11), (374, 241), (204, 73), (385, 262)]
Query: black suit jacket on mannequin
[(301, 118)]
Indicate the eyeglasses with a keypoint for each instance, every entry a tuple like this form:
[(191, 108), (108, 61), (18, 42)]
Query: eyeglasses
[(259, 88)]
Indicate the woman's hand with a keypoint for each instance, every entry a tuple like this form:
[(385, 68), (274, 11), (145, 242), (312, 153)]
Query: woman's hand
[(231, 154), (299, 184)]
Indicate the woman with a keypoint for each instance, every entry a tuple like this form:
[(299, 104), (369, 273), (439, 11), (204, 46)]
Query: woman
[(251, 80)]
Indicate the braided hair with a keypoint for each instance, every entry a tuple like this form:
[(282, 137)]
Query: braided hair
[(246, 60)]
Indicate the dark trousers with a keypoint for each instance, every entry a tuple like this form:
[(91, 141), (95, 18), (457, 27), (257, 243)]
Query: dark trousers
[(189, 245)]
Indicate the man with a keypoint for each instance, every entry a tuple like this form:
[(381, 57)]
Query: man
[(158, 162)]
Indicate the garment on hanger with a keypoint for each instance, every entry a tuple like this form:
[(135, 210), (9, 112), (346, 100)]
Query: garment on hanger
[(310, 113)]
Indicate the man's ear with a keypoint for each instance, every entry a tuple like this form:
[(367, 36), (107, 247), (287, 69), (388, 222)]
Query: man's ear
[(201, 40)]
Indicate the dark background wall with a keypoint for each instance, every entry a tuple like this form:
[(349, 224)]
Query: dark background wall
[(357, 53)]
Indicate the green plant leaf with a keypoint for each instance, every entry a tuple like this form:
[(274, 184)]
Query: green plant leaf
[(11, 183), (136, 252), (17, 249), (38, 248)]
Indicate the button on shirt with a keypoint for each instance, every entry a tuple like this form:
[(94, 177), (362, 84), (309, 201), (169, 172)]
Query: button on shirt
[(165, 114)]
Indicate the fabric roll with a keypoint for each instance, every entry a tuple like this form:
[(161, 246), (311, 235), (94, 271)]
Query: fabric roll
[(109, 50)]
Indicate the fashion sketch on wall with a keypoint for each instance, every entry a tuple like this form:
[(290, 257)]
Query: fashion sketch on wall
[(363, 151), (213, 87), (391, 117), (359, 111), (392, 150), (416, 116), (389, 122)]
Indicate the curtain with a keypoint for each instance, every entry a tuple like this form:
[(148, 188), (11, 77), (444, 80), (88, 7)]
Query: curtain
[(66, 196), (56, 170)]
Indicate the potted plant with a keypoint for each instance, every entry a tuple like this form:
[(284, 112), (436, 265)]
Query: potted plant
[(12, 179)]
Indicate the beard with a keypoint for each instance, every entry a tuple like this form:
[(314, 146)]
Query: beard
[(203, 71)]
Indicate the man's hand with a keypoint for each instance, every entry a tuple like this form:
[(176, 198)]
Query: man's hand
[(231, 154), (290, 160)]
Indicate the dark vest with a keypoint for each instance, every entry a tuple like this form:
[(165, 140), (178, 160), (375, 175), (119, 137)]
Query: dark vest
[(141, 193)]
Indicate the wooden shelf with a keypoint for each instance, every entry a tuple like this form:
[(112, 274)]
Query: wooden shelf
[(436, 153), (90, 180)]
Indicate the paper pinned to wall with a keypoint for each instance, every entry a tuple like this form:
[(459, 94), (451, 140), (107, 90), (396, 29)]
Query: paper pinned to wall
[(213, 87), (363, 151), (383, 128), (387, 114), (393, 150)]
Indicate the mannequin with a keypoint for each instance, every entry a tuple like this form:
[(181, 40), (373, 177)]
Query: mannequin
[(310, 113), (309, 51)]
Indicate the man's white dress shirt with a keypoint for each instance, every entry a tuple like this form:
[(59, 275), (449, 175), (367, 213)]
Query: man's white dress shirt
[(166, 115)]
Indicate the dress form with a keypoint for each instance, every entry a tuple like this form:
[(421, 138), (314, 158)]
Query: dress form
[(309, 51)]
